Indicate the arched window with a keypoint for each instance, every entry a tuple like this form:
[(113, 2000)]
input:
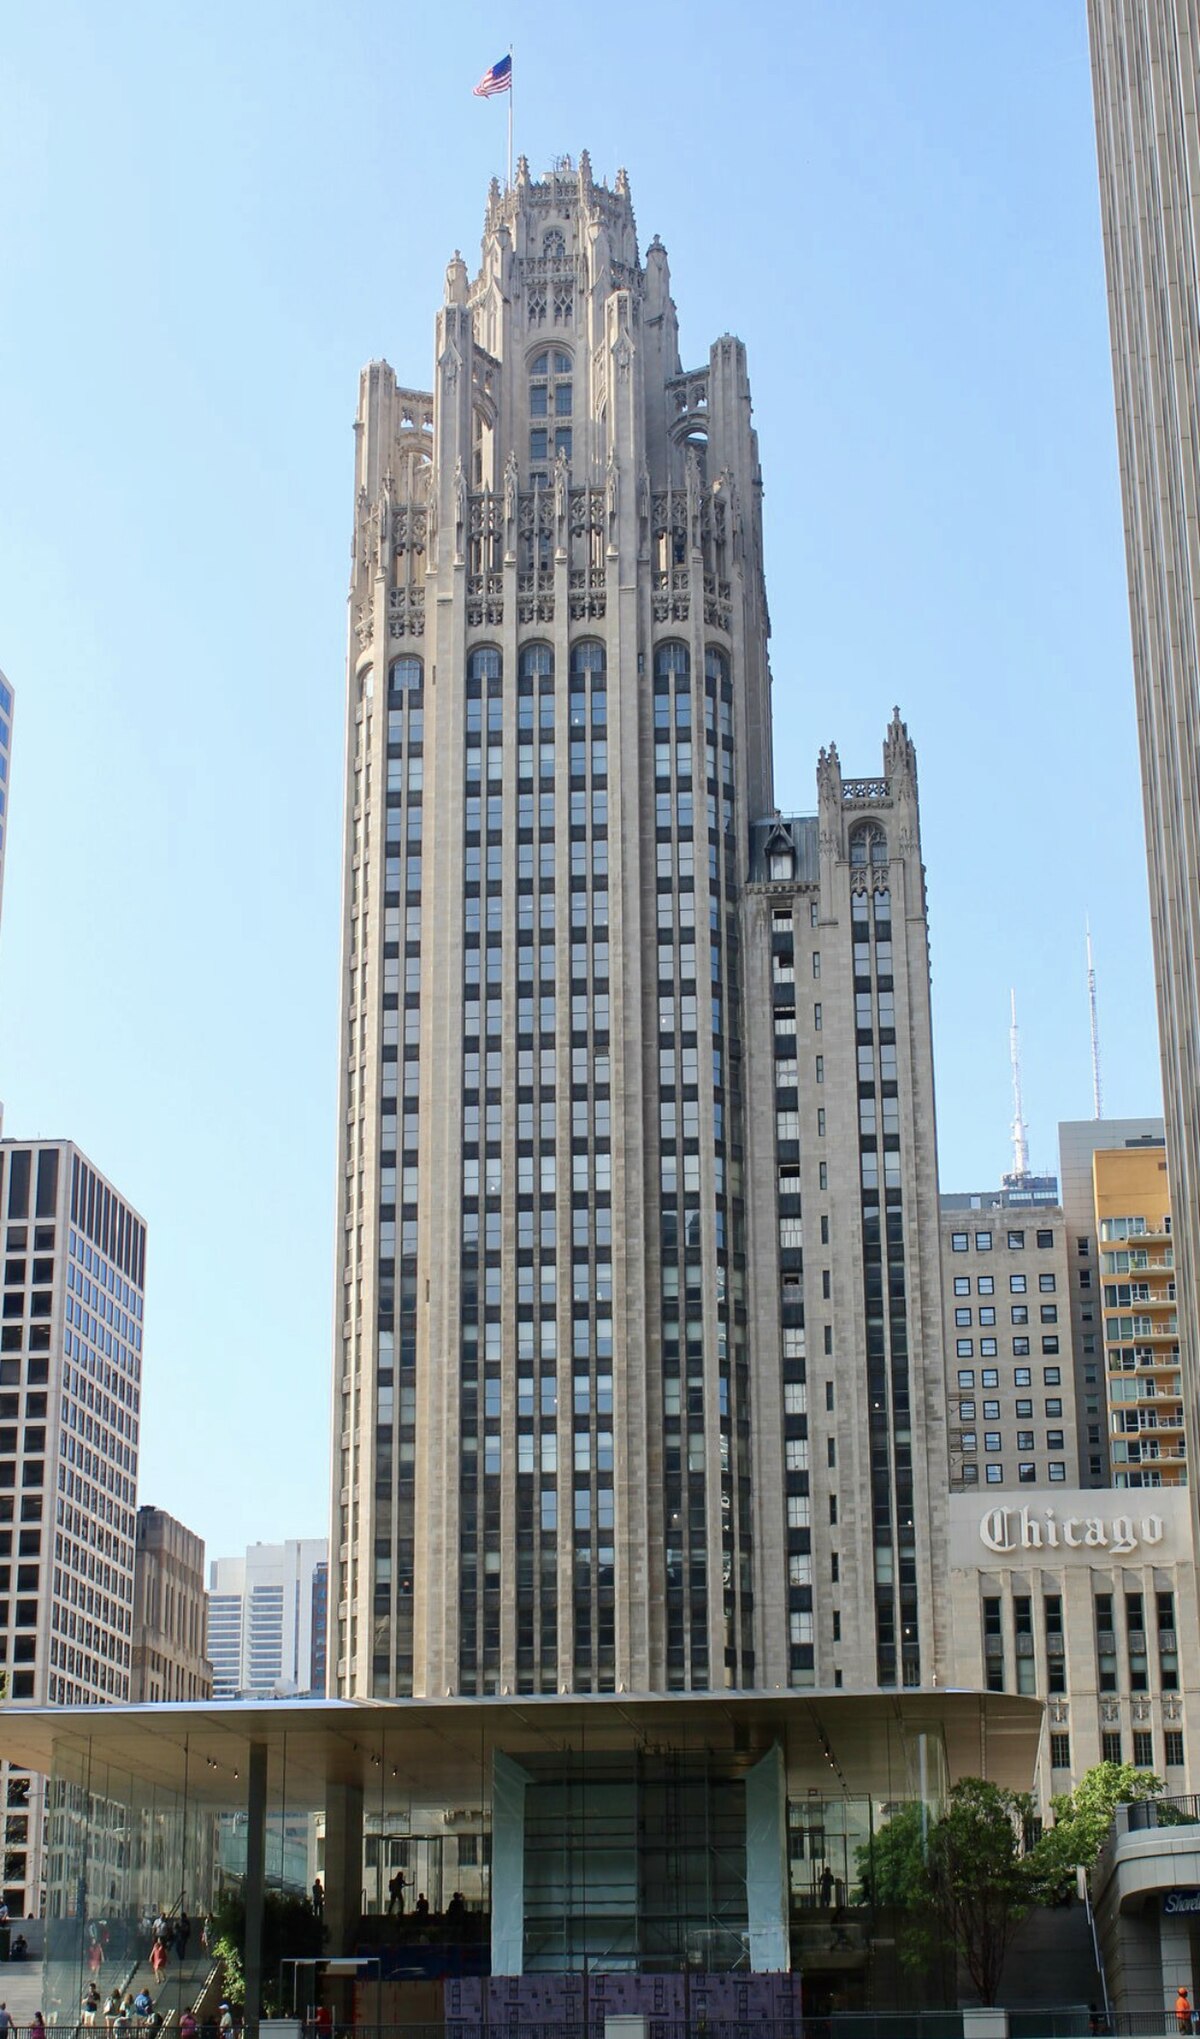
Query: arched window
[(716, 665), (554, 247), (587, 657), (405, 676), (535, 662), (672, 661), (551, 404), (868, 844), (484, 663)]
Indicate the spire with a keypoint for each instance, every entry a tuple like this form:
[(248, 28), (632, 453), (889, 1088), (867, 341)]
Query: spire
[(1097, 1096), (1020, 1131)]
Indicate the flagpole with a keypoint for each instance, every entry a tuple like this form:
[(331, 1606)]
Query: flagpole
[(510, 115)]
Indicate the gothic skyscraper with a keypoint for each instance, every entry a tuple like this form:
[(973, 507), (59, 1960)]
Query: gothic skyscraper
[(577, 1443)]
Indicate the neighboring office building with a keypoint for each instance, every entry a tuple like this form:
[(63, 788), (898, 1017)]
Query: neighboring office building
[(1010, 1377), (319, 1646), (1146, 1442), (168, 1611), (1103, 1628), (260, 1620), (70, 1402), (1081, 1142), (574, 1437), (1145, 59)]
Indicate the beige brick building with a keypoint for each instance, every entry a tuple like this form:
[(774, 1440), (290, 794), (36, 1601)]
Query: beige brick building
[(168, 1611)]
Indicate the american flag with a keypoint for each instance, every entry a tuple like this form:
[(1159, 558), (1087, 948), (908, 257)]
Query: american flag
[(497, 79)]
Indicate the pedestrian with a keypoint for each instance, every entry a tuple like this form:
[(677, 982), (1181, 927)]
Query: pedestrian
[(225, 2026), (158, 1958), (205, 1933), (120, 2024), (183, 1933), (396, 1890), (187, 2025), (318, 1897), (37, 2026), (5, 2021), (112, 2004), (91, 2004), (826, 1886), (1183, 2008)]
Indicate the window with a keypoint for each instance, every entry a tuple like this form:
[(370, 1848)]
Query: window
[(991, 1412), (1173, 1748), (986, 1314), (404, 676), (550, 407), (987, 1349), (1016, 1242), (966, 1412), (1048, 1313), (484, 664), (1026, 1472), (991, 1440), (1110, 1748), (1024, 1410), (1054, 1405), (966, 1377), (990, 1376), (1058, 1471), (1046, 1284), (1143, 1749), (959, 1242), (868, 844), (962, 1284), (1016, 1284), (1052, 1376), (995, 1475), (1060, 1752), (1045, 1239), (986, 1285), (1049, 1345), (983, 1242), (962, 1318), (964, 1348), (1021, 1377)]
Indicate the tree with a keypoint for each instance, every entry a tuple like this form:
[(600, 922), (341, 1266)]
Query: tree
[(891, 1865), (978, 1878), (290, 1930), (1081, 1820)]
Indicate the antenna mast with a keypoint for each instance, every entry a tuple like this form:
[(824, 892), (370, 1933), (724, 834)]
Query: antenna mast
[(1097, 1095), (1020, 1131)]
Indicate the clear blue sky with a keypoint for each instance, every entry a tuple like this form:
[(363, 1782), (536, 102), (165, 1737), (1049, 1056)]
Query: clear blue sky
[(209, 219)]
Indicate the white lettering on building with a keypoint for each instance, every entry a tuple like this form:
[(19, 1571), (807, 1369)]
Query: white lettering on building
[(1012, 1529)]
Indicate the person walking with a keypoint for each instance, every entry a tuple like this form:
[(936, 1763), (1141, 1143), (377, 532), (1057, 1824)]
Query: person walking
[(1183, 2008), (158, 1958), (37, 2026), (5, 2021), (318, 1897), (396, 1890), (187, 2025), (91, 2004), (183, 1933)]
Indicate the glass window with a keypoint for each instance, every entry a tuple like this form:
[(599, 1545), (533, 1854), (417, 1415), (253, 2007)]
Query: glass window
[(1016, 1284), (986, 1285), (995, 1475), (484, 663), (1046, 1283), (983, 1242), (1016, 1242), (966, 1378), (962, 1284), (959, 1242)]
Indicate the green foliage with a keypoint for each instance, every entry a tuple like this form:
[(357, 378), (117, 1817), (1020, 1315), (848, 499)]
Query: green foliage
[(1081, 1820), (891, 1865), (961, 1880), (290, 1931)]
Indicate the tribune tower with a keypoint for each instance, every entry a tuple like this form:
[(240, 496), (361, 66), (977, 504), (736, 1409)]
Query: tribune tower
[(549, 1372)]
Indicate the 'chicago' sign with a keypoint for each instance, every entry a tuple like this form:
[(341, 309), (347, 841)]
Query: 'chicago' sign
[(1012, 1529)]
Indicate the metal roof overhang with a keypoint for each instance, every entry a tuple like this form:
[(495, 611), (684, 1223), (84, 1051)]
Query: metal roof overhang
[(439, 1751)]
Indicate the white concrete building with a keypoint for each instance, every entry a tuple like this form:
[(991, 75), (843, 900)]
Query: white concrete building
[(261, 1627)]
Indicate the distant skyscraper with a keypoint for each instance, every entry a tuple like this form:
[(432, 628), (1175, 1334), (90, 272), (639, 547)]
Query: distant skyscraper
[(639, 1345), (70, 1411), (260, 1619), (168, 1611), (1145, 62)]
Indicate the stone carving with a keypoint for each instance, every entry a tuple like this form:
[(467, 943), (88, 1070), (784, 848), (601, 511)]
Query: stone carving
[(561, 484), (511, 481), (460, 508), (612, 493)]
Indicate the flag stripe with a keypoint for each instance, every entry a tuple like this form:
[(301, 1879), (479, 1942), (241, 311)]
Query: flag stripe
[(497, 79)]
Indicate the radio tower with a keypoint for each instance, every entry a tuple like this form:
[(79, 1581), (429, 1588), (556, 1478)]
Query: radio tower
[(1020, 1131), (1097, 1097)]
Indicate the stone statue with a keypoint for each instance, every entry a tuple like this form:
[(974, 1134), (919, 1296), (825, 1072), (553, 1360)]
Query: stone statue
[(612, 486), (460, 508), (560, 490), (510, 489)]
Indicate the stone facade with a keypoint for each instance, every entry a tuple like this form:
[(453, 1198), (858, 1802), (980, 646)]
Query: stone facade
[(1145, 63), (168, 1612), (569, 1357), (1086, 1599)]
